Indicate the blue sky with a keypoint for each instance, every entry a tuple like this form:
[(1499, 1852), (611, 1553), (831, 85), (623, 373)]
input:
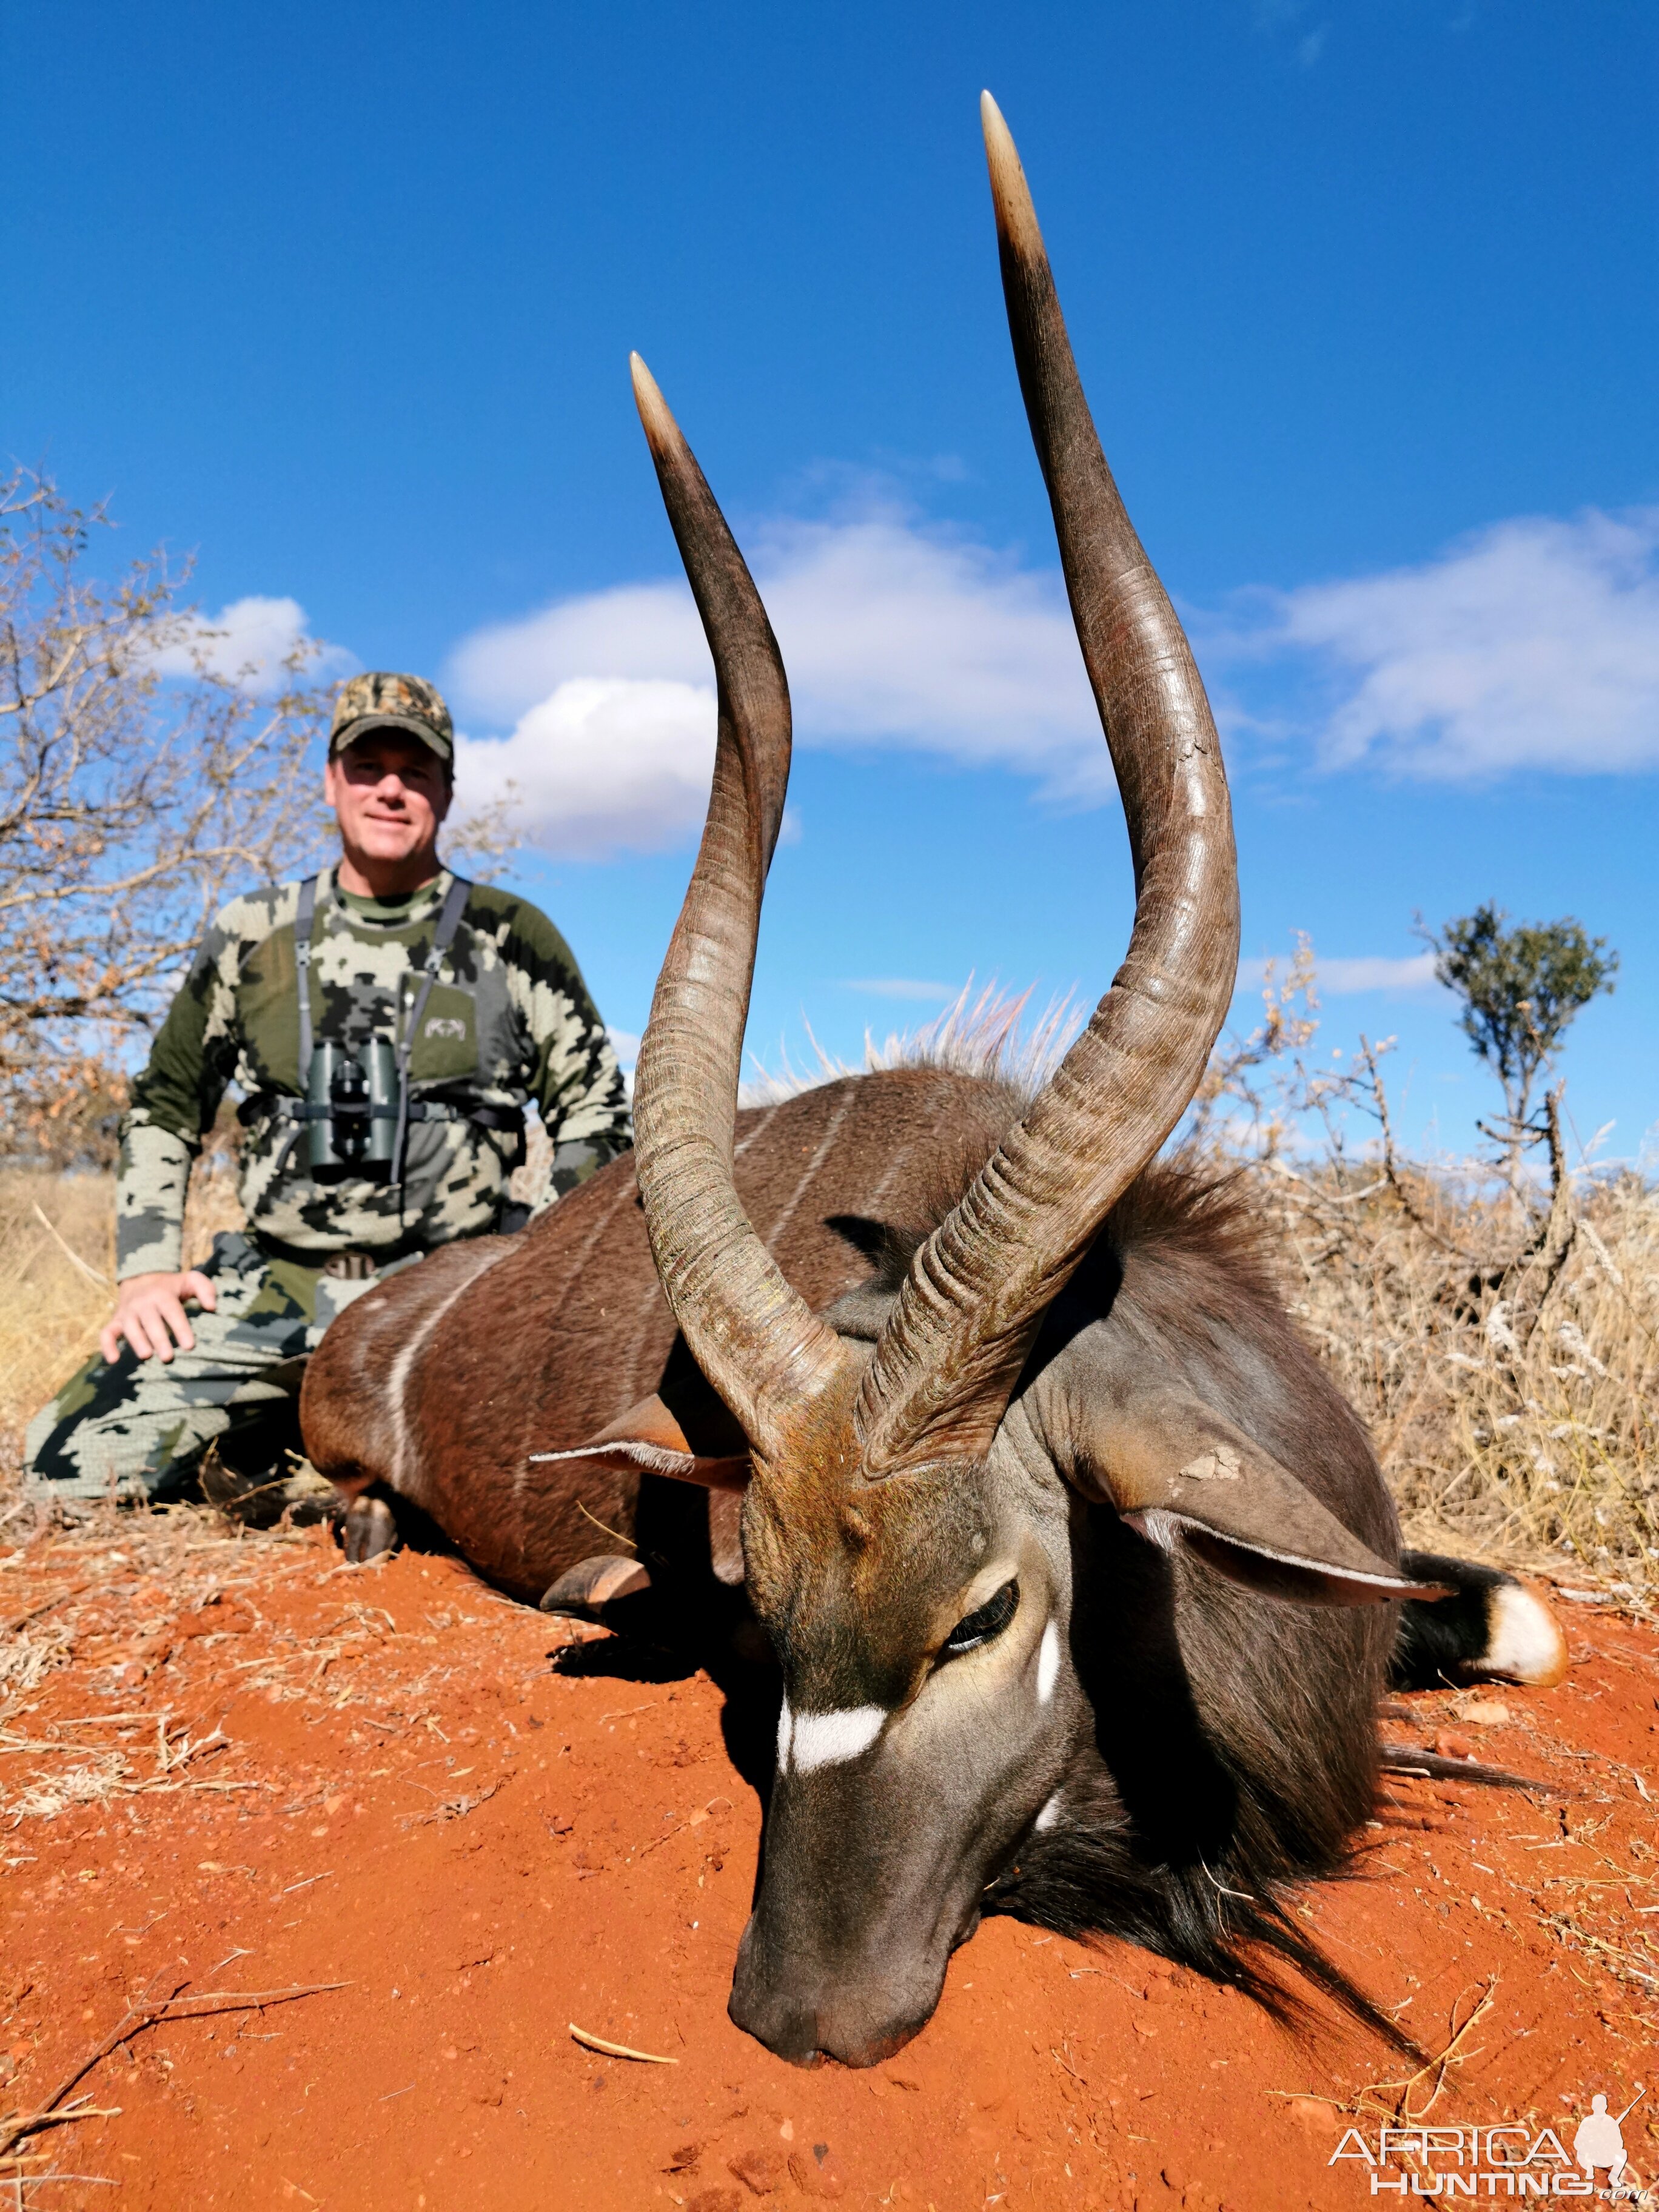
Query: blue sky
[(339, 301)]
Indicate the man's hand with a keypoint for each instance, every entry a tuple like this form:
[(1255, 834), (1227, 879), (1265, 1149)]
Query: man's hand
[(147, 1306)]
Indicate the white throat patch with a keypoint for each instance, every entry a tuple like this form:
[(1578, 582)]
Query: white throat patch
[(806, 1741)]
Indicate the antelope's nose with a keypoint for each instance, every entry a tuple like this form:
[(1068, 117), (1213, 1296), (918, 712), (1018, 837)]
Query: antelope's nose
[(804, 2013)]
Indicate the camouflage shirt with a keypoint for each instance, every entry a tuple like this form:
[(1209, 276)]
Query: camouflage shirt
[(509, 1019)]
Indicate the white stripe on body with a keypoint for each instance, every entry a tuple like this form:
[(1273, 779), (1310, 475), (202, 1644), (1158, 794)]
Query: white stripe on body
[(626, 1189), (811, 1169), (764, 1121), (398, 1381)]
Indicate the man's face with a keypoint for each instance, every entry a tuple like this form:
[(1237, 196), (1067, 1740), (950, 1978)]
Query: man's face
[(389, 792)]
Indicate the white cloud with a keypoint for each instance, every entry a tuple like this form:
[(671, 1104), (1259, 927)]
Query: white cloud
[(640, 631), (1533, 644), (603, 763), (1344, 979), (626, 1045), (892, 633), (902, 986), (1275, 16), (249, 642)]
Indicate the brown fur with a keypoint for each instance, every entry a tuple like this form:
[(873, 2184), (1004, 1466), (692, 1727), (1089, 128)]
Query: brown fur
[(562, 1328), (535, 1343)]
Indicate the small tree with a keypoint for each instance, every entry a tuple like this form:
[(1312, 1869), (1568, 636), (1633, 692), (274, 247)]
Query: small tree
[(140, 784), (1520, 987)]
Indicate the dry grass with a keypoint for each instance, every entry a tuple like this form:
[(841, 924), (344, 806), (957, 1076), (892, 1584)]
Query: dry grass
[(1533, 1449), (51, 1308), (1497, 1327), (78, 1773), (57, 1277)]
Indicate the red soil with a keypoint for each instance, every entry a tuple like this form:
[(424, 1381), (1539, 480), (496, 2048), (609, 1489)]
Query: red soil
[(482, 1851)]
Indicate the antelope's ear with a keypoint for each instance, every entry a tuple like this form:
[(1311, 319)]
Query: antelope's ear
[(1178, 1472), (648, 1439)]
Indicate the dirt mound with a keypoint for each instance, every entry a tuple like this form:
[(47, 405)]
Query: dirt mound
[(238, 1770)]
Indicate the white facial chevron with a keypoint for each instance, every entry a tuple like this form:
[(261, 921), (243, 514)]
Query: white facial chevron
[(1048, 1663), (806, 1741)]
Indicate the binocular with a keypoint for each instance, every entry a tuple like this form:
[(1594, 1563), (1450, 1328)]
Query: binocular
[(352, 1129)]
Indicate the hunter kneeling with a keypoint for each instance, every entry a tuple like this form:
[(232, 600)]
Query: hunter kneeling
[(387, 1023)]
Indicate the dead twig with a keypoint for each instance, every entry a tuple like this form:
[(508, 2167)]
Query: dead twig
[(82, 2109), (72, 1256), (1391, 1175), (53, 2113), (604, 1528), (1451, 2055), (453, 1808), (617, 2049), (47, 1605)]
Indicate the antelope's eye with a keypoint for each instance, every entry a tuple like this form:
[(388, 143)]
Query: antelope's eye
[(976, 1628)]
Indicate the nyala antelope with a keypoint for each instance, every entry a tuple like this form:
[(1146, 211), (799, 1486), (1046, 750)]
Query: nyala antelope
[(1081, 1575)]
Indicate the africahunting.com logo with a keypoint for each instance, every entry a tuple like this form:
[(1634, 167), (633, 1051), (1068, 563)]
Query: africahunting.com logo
[(1510, 2160)]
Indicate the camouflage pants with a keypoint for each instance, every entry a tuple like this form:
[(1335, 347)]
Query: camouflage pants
[(138, 1429)]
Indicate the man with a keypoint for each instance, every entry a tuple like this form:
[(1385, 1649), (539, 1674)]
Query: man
[(387, 1023)]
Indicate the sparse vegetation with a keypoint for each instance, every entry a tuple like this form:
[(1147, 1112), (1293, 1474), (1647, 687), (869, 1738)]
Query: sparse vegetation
[(1527, 1446), (140, 781), (1501, 1339), (1520, 987)]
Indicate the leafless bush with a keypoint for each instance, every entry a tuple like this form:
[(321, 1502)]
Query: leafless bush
[(140, 781), (60, 1108)]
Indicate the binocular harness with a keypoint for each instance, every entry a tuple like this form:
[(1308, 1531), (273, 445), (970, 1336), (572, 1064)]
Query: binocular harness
[(357, 1108)]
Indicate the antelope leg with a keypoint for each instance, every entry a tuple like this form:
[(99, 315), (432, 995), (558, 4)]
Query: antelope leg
[(583, 1591), (370, 1528)]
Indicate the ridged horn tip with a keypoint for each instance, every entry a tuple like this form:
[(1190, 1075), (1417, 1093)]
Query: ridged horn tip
[(661, 430), (1010, 195)]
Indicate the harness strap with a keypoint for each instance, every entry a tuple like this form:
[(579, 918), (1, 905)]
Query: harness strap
[(305, 922), (300, 1110), (449, 920)]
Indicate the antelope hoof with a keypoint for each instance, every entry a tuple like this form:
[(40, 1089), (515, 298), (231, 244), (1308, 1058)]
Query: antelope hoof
[(370, 1528), (583, 1591)]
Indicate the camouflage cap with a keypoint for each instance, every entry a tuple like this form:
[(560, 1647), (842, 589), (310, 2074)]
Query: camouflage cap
[(378, 699)]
